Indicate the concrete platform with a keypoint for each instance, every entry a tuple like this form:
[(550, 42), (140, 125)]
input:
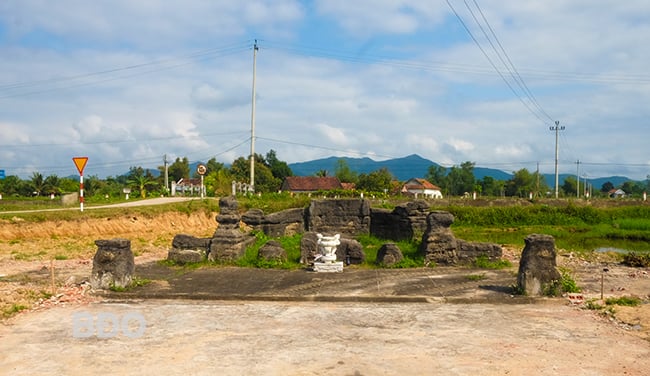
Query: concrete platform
[(458, 284)]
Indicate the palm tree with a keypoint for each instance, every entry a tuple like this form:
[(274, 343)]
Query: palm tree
[(141, 182), (52, 183), (37, 183)]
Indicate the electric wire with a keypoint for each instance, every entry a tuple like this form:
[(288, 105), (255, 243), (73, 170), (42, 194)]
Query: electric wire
[(489, 59)]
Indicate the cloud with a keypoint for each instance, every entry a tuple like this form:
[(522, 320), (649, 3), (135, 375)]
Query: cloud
[(334, 135), (130, 81)]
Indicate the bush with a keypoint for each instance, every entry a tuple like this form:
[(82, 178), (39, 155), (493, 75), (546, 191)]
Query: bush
[(484, 262), (636, 260), (566, 283), (630, 301)]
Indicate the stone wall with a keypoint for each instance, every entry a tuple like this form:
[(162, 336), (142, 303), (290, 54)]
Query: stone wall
[(340, 216), (285, 223), (439, 245), (404, 222)]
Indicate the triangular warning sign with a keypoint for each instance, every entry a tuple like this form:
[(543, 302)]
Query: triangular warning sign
[(80, 162)]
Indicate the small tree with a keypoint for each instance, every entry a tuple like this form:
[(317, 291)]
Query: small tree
[(344, 173)]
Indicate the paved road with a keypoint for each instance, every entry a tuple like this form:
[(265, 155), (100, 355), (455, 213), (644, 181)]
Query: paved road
[(176, 337)]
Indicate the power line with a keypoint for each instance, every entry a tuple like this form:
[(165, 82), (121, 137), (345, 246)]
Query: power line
[(537, 114), (67, 144), (76, 81), (509, 65)]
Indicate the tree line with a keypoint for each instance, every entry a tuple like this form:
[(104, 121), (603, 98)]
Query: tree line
[(270, 172)]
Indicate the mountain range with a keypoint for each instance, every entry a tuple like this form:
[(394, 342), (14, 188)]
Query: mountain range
[(414, 166)]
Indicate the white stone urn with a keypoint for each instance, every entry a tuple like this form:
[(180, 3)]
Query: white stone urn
[(327, 246)]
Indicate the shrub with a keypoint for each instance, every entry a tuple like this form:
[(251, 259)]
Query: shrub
[(484, 262), (630, 301), (636, 260)]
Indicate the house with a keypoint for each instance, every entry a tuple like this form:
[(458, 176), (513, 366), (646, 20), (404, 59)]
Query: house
[(616, 193), (306, 184), (421, 187)]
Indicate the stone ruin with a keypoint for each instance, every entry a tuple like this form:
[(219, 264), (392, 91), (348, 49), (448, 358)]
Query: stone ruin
[(113, 264), (227, 243), (348, 217), (537, 268), (441, 247)]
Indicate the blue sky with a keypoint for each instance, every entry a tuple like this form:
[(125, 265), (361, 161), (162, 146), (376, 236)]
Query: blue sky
[(126, 82)]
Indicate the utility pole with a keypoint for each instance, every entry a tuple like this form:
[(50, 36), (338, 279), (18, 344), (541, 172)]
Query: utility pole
[(166, 173), (556, 128), (578, 178), (537, 178), (252, 186)]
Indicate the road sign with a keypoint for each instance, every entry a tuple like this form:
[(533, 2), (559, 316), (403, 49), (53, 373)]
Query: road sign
[(2, 174), (201, 169), (80, 162)]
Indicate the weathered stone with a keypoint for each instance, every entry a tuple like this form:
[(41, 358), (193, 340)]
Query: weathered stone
[(440, 246), (468, 252), (253, 217), (349, 217), (537, 267), (113, 264), (185, 256), (228, 205), (389, 254), (272, 251), (228, 217), (229, 245), (188, 249), (350, 251), (402, 223), (438, 243), (284, 223), (228, 242), (308, 248), (184, 241)]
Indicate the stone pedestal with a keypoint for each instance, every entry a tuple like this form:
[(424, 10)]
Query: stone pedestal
[(328, 267), (537, 267), (113, 264)]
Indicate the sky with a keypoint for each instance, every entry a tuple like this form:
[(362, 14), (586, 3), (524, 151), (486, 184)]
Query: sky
[(126, 83)]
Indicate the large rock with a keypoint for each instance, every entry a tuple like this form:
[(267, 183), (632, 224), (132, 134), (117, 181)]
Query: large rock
[(537, 267), (440, 246), (184, 241), (350, 251), (438, 242), (308, 248), (348, 217), (284, 223), (188, 249), (272, 251), (389, 254), (113, 264)]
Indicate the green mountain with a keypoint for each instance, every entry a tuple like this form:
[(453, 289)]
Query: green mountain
[(414, 166), (411, 166)]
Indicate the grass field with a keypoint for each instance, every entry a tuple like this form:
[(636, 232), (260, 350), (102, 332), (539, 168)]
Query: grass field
[(65, 234)]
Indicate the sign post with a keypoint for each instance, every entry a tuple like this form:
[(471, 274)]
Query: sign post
[(80, 162), (201, 170)]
